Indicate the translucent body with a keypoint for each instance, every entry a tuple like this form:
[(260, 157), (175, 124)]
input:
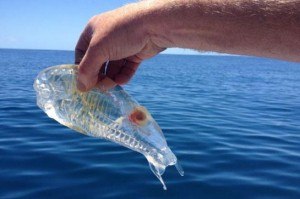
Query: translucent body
[(112, 115)]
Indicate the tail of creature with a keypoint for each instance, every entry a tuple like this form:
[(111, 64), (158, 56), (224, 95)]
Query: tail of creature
[(159, 169)]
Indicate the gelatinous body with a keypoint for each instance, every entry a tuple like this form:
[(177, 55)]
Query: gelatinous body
[(113, 115)]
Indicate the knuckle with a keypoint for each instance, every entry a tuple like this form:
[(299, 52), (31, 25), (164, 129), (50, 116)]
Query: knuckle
[(92, 20)]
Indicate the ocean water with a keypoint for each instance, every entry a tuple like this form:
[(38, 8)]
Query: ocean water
[(232, 121)]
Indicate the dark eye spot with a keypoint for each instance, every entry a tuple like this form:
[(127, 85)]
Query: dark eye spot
[(138, 116)]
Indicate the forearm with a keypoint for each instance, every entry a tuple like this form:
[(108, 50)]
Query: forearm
[(138, 31), (268, 28)]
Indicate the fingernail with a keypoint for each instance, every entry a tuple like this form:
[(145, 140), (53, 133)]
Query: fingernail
[(81, 86)]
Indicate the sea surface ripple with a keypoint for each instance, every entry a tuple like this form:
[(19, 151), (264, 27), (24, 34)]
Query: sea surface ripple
[(232, 121)]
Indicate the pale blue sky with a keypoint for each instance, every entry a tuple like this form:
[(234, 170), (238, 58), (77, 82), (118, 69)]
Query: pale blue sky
[(51, 24)]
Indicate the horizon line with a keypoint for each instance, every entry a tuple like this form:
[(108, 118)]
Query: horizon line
[(209, 53)]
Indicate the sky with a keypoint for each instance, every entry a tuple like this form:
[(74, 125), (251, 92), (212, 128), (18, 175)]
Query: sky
[(52, 24)]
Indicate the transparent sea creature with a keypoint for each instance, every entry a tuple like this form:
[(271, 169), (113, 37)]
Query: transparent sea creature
[(113, 115)]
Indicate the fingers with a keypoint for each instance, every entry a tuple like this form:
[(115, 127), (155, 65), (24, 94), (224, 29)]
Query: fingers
[(83, 43), (89, 68), (106, 84), (104, 81), (126, 73), (92, 51), (114, 67), (118, 73), (81, 49), (89, 60)]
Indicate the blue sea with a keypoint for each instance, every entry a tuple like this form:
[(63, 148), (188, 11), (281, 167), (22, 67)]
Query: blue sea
[(232, 121)]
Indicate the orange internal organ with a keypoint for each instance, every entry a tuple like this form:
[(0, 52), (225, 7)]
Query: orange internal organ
[(138, 116)]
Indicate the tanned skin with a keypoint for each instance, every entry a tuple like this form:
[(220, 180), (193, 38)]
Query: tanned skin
[(139, 31)]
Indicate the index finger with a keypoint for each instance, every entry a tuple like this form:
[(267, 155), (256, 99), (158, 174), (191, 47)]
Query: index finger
[(83, 43), (89, 68), (88, 60)]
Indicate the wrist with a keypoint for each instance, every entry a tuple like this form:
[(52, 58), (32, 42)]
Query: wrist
[(172, 23), (158, 22)]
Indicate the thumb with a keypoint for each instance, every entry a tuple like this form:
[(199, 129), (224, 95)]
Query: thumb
[(89, 67)]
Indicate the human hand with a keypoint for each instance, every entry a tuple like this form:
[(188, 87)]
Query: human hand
[(138, 31), (120, 37)]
